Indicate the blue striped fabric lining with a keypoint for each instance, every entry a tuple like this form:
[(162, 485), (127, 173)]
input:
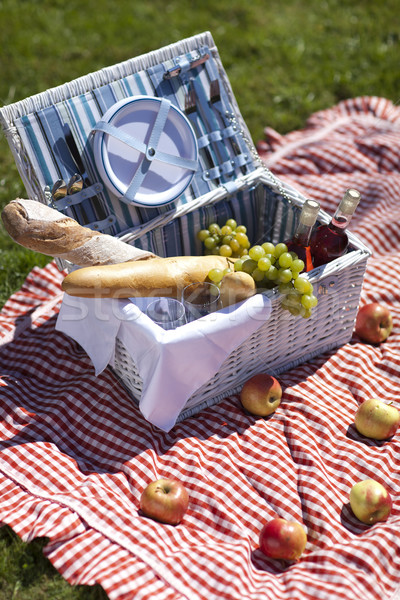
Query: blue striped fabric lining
[(43, 135), (267, 215)]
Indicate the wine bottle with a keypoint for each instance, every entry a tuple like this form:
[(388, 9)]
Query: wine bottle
[(331, 241), (300, 242)]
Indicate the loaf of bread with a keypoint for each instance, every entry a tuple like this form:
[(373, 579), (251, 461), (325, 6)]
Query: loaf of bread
[(43, 229), (157, 277)]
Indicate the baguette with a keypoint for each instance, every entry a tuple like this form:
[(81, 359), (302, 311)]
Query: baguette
[(156, 277), (43, 229)]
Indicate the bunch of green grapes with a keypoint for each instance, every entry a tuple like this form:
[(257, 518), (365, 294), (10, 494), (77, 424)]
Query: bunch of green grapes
[(228, 240), (274, 266)]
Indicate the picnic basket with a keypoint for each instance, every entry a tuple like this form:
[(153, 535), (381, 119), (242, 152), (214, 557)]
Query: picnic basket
[(50, 137)]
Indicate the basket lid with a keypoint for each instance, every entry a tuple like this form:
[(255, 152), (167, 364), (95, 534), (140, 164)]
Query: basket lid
[(59, 135)]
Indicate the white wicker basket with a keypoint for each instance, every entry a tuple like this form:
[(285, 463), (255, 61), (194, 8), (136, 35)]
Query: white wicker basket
[(284, 341), (249, 192)]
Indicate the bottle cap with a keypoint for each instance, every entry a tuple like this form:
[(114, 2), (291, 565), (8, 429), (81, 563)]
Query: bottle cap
[(309, 212), (350, 201)]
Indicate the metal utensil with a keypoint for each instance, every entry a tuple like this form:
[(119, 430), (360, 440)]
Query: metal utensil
[(190, 111), (175, 71), (59, 190), (212, 125), (75, 184), (76, 157), (215, 100)]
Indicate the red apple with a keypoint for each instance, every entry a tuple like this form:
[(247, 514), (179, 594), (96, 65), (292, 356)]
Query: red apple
[(370, 501), (374, 323), (261, 395), (285, 540), (376, 419), (165, 500)]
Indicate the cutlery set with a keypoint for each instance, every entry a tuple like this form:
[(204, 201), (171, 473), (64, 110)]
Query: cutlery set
[(79, 188), (218, 125)]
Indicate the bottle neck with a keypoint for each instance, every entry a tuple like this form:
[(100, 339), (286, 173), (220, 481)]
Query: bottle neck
[(302, 235), (307, 219), (345, 210), (340, 220)]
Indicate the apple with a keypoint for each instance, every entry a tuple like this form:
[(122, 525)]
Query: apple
[(376, 419), (261, 395), (374, 323), (282, 539), (370, 501), (165, 500)]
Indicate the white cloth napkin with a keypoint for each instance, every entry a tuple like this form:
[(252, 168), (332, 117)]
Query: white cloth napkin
[(173, 364)]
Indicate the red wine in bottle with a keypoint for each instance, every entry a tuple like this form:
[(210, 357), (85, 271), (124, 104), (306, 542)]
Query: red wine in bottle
[(300, 242), (330, 241)]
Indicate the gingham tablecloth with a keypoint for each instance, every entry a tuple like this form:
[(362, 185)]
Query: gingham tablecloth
[(76, 454)]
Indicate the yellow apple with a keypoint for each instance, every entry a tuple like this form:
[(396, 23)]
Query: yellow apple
[(370, 501), (376, 419)]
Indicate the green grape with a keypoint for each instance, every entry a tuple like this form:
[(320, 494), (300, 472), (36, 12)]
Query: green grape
[(284, 275), (258, 275), (227, 239), (284, 303), (232, 224), (303, 285), (256, 252), (249, 265), (234, 244), (215, 251), (285, 260), (227, 270), (272, 273), (243, 252), (309, 301), (238, 265), (225, 250), (294, 310), (210, 242), (293, 299), (241, 229), (272, 258), (306, 313), (280, 249), (243, 240), (226, 230), (203, 234), (214, 228), (263, 263), (286, 288), (268, 247), (216, 275), (297, 265)]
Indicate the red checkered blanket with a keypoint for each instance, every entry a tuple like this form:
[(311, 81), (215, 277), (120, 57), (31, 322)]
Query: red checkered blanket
[(75, 454)]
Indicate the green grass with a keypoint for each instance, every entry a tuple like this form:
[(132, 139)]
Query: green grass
[(285, 60), (26, 575)]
